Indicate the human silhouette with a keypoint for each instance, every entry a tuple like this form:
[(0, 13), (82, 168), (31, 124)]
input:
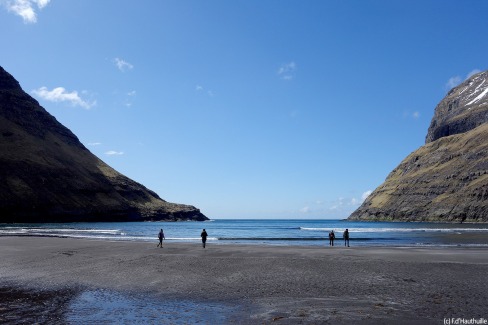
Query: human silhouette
[(161, 237), (331, 238), (346, 237), (204, 237)]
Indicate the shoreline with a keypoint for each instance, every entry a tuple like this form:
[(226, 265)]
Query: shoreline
[(270, 232), (250, 242), (256, 284)]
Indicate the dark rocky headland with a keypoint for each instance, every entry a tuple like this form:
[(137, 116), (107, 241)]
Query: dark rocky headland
[(47, 175), (447, 178)]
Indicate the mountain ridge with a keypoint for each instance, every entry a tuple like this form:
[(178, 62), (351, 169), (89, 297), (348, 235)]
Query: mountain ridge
[(463, 109), (48, 175), (447, 178)]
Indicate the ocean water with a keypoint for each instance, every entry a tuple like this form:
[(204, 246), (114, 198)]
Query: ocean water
[(267, 232)]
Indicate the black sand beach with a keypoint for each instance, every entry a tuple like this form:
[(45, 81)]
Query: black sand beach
[(58, 280)]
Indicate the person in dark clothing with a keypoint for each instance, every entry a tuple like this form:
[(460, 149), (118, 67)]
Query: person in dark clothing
[(161, 237), (331, 238), (204, 237), (346, 237)]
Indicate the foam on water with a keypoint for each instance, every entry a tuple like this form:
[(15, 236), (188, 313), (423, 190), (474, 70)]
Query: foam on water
[(267, 232), (376, 230)]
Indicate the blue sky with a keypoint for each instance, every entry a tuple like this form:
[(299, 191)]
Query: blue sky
[(246, 109)]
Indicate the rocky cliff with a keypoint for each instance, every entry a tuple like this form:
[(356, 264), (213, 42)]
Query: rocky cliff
[(447, 178), (47, 175), (463, 109)]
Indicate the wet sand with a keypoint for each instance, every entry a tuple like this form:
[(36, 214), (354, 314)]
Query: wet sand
[(240, 284)]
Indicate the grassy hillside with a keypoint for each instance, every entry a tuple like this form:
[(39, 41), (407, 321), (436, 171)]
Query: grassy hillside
[(445, 180), (49, 176)]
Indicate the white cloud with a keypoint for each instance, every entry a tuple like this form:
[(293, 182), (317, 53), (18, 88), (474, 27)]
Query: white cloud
[(305, 210), (472, 73), (365, 195), (345, 204), (60, 94), (287, 71), (114, 153), (337, 208), (338, 205), (408, 114), (130, 96), (25, 8), (456, 80), (123, 65), (453, 82), (199, 88), (287, 67), (354, 202), (94, 144)]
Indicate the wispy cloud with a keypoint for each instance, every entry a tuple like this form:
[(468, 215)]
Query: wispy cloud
[(114, 153), (453, 82), (342, 203), (306, 209), (130, 96), (25, 8), (122, 65), (336, 208), (456, 80), (60, 94), (365, 195), (94, 143), (472, 73), (200, 89), (287, 71), (409, 114), (339, 204)]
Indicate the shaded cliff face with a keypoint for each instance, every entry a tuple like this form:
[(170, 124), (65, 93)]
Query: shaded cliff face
[(47, 175), (446, 179)]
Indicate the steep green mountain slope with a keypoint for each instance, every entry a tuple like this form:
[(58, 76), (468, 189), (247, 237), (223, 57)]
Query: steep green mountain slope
[(47, 175), (447, 178)]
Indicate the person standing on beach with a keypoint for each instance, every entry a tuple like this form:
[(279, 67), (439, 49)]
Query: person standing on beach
[(346, 237), (331, 238), (161, 237), (204, 237)]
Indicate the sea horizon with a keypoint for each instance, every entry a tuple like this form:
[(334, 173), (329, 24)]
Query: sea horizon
[(283, 232)]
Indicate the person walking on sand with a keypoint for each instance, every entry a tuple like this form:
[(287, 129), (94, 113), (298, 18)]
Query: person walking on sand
[(331, 238), (204, 237), (161, 237), (346, 237)]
